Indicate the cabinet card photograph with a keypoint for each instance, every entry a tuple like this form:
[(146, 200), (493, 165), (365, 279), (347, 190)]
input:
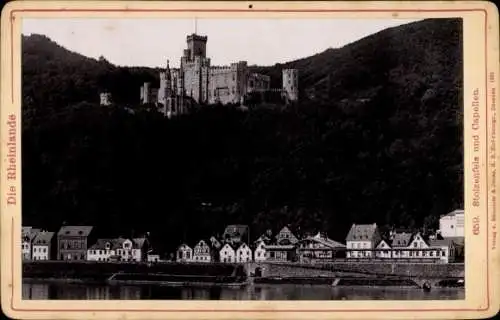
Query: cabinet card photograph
[(242, 160)]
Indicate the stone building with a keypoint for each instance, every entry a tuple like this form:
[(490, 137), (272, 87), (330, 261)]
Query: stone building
[(196, 81), (72, 242)]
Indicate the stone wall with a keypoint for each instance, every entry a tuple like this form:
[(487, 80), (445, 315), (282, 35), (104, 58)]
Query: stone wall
[(426, 270)]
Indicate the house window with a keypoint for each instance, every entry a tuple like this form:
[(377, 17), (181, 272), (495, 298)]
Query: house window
[(415, 245)]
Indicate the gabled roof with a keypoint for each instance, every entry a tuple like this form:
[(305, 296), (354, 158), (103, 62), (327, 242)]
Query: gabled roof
[(244, 244), (43, 238), (82, 231), (118, 242), (361, 232), (402, 239), (293, 239), (325, 241), (202, 242), (184, 245), (233, 247), (383, 241), (101, 244)]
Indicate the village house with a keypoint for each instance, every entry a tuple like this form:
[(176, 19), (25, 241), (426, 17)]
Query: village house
[(131, 250), (400, 243), (260, 251), (285, 247), (28, 234), (202, 252), (452, 224), (362, 240), (72, 242), (243, 253), (102, 250), (383, 250), (445, 249), (184, 253), (44, 246), (319, 248), (286, 237), (227, 254)]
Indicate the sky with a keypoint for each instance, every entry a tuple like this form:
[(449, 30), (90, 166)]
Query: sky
[(150, 42)]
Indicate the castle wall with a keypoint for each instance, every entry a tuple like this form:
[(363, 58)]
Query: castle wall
[(228, 84)]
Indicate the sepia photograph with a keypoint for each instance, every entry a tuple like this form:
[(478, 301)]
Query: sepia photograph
[(276, 158), (206, 159)]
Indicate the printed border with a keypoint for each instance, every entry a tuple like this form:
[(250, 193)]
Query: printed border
[(187, 10)]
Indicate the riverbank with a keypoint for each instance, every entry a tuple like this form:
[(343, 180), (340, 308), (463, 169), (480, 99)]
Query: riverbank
[(216, 274)]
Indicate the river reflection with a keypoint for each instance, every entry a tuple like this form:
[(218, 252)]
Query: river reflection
[(38, 290)]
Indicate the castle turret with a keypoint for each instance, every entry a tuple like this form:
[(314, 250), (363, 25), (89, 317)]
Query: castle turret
[(197, 46), (291, 84)]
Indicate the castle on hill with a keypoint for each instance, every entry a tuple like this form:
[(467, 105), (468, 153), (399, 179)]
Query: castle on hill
[(197, 82)]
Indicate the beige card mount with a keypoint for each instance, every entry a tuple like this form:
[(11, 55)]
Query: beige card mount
[(258, 160)]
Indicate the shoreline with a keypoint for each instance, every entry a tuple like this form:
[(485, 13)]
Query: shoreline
[(332, 282)]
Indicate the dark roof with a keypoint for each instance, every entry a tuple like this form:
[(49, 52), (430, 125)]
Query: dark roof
[(325, 241), (402, 239), (75, 231), (360, 232), (43, 238), (101, 244)]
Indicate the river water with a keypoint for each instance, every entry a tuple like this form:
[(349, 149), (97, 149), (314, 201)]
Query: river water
[(38, 290)]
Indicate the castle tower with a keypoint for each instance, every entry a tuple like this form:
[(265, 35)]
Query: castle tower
[(291, 84), (197, 46)]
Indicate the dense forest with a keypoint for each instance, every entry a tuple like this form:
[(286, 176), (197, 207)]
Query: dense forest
[(384, 146)]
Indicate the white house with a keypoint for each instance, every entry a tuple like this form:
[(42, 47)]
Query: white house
[(44, 246), (319, 248), (102, 250), (131, 250), (260, 251), (184, 253), (418, 247), (452, 224), (244, 253), (202, 252), (27, 237), (362, 240), (400, 243), (227, 254), (383, 250), (445, 250)]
